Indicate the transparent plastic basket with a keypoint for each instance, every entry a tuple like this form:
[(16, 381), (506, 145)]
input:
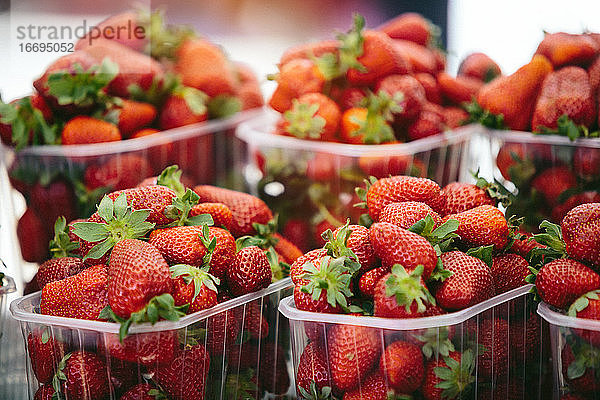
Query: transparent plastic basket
[(515, 367), (315, 181), (69, 180), (574, 340), (518, 158), (237, 358), (8, 286)]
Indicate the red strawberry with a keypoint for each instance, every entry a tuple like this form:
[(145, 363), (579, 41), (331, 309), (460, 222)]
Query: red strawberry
[(308, 50), (429, 122), (454, 117), (359, 242), (139, 392), (44, 392), (493, 335), (297, 267), (52, 201), (222, 330), (135, 36), (245, 208), (524, 245), (220, 213), (566, 91), (33, 237), (410, 26), (454, 372), (402, 295), (183, 108), (429, 83), (136, 273), (352, 353), (134, 115), (397, 189), (153, 197), (255, 322), (414, 96), (286, 249), (407, 213), (84, 130), (56, 269), (588, 307), (118, 172), (193, 286), (374, 387), (481, 226), (471, 282), (84, 376), (458, 197), (313, 116), (381, 166), (402, 366), (249, 272), (297, 230), (552, 182), (45, 352), (248, 92), (509, 272), (458, 90), (581, 232), (586, 162), (582, 380), (272, 374), (313, 369), (560, 282), (568, 49), (185, 376), (296, 78), (479, 66), (420, 58), (351, 97), (80, 296), (152, 348), (368, 281)]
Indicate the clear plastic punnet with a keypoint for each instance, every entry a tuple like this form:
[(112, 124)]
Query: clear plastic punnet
[(7, 287), (225, 352), (70, 180), (575, 353), (499, 345), (315, 181)]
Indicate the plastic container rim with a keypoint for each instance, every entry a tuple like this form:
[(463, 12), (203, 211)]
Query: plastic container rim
[(556, 318), (22, 315), (8, 285), (289, 310), (256, 131), (136, 144), (528, 137)]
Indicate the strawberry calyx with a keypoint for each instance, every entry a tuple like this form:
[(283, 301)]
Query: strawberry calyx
[(484, 253), (26, 120), (565, 126), (158, 394), (441, 238), (582, 302), (436, 342), (195, 99), (240, 385), (381, 107), (352, 46), (61, 245), (199, 276), (585, 356), (157, 93), (171, 178), (159, 307), (333, 277), (313, 392), (223, 106), (553, 240), (336, 246), (484, 117), (121, 222), (407, 288), (496, 190), (263, 238), (457, 378), (59, 375), (163, 39), (279, 269), (303, 120)]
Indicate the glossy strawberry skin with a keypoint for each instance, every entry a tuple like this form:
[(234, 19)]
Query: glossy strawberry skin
[(33, 237), (86, 376), (154, 197), (220, 213), (369, 280), (407, 213), (552, 182), (313, 366), (359, 242), (185, 376), (481, 226), (297, 270), (493, 334), (374, 387), (56, 269), (44, 355), (250, 271), (152, 348), (458, 197), (183, 293), (304, 301), (560, 282), (402, 365), (509, 272), (592, 311), (581, 232), (412, 90), (139, 392)]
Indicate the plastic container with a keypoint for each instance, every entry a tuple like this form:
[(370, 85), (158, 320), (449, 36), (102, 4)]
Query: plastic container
[(504, 333), (239, 360), (314, 181), (575, 353), (69, 180), (8, 286), (549, 174)]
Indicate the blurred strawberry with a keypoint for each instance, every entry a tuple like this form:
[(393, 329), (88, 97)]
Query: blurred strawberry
[(296, 77), (411, 26), (458, 90), (552, 182), (313, 116), (33, 237), (45, 352), (454, 117), (429, 83), (586, 162), (84, 130), (52, 201), (184, 107), (420, 58), (309, 50), (414, 95), (479, 66), (297, 231), (429, 122), (134, 115), (118, 172), (568, 49)]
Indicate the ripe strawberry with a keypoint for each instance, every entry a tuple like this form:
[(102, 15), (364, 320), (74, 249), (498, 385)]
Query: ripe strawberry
[(458, 90), (153, 197), (588, 307), (53, 200), (254, 321), (368, 281), (414, 96), (80, 296), (313, 369), (402, 295), (84, 129), (429, 122), (308, 50), (185, 376), (44, 392), (407, 213), (313, 116), (184, 107), (296, 77), (482, 226), (479, 66), (139, 392), (402, 366), (410, 26), (471, 282), (56, 269), (45, 352), (568, 49), (523, 244), (194, 286), (118, 172), (457, 197), (245, 208), (494, 336), (149, 349), (564, 92), (382, 166), (552, 182), (583, 378), (514, 96), (84, 376), (560, 282), (525, 338), (420, 58), (395, 245), (297, 230), (397, 189), (351, 97), (581, 232), (429, 83), (455, 117), (248, 91), (352, 353), (220, 213), (374, 387), (453, 372), (33, 237), (249, 272), (359, 242), (586, 162), (134, 115), (272, 374), (222, 330), (129, 20), (297, 267), (509, 272)]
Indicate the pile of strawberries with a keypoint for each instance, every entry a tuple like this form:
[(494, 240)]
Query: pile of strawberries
[(422, 251), (566, 277), (156, 252)]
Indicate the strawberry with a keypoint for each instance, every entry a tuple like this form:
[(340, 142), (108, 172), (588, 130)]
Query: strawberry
[(402, 366), (220, 213), (449, 377), (296, 77), (134, 115), (368, 281), (560, 282), (194, 286), (578, 369), (493, 335), (588, 307), (408, 213), (359, 243), (248, 91), (420, 58), (141, 391), (568, 49), (56, 269), (457, 197), (33, 237), (395, 245), (153, 197), (564, 92), (249, 272), (254, 321), (581, 232), (202, 65), (429, 122), (117, 173), (552, 182), (45, 352), (151, 348), (80, 296), (397, 189), (414, 96), (374, 387), (44, 392), (509, 272), (245, 208), (84, 129), (351, 97), (128, 20), (352, 352), (482, 226), (479, 66), (84, 376), (471, 282), (429, 83), (26, 121), (297, 267), (514, 96), (524, 243), (594, 74), (52, 201), (309, 50), (516, 162), (455, 117), (586, 162), (458, 90), (185, 106), (272, 373), (313, 370), (410, 26), (296, 230), (185, 376), (312, 116)]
